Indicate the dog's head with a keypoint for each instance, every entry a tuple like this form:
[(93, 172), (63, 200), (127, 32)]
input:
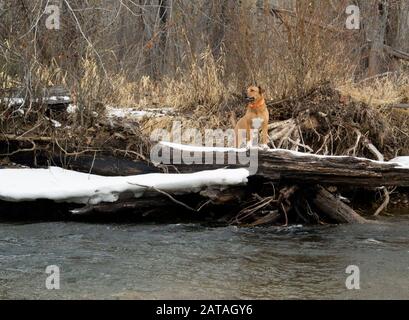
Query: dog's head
[(254, 93)]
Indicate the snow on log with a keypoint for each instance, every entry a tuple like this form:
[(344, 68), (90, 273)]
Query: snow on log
[(401, 161), (297, 167), (69, 186)]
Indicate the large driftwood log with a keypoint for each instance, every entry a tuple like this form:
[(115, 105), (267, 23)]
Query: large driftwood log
[(283, 165), (143, 205), (101, 164), (335, 208), (94, 163), (105, 165), (208, 197), (55, 98)]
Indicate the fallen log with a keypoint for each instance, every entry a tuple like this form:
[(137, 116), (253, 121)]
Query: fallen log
[(396, 53), (99, 163), (204, 201), (279, 165), (141, 205), (335, 208), (55, 98), (105, 165)]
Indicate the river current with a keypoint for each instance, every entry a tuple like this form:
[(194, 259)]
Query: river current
[(196, 261)]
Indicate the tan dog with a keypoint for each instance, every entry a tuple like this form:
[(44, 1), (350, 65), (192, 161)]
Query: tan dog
[(256, 116)]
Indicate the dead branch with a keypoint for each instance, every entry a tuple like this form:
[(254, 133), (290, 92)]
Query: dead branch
[(385, 203), (396, 53), (166, 194)]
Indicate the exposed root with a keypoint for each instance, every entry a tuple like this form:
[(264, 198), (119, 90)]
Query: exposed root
[(248, 212), (385, 202), (284, 200), (353, 150), (167, 195)]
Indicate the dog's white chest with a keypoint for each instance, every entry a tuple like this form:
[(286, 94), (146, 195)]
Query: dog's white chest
[(256, 123)]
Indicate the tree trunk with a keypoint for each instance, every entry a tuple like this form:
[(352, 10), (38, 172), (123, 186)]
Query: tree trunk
[(219, 28), (402, 36), (163, 16), (375, 18)]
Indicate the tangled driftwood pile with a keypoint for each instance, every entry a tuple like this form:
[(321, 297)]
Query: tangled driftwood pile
[(288, 187)]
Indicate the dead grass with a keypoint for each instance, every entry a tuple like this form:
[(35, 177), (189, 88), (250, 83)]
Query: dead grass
[(388, 89), (201, 85), (291, 60)]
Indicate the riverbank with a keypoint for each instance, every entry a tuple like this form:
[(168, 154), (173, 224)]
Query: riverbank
[(320, 156)]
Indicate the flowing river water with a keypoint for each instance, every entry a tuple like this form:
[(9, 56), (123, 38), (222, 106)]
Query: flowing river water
[(178, 261)]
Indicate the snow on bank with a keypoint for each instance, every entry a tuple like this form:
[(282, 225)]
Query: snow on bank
[(70, 186), (13, 102), (113, 112), (129, 113), (72, 108), (65, 99)]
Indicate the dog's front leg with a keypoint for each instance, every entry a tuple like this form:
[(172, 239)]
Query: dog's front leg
[(264, 135)]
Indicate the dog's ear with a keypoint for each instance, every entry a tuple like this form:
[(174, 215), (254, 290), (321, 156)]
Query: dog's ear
[(261, 90)]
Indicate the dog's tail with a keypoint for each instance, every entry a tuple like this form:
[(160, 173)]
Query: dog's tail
[(233, 119)]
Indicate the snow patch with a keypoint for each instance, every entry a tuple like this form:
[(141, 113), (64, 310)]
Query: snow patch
[(121, 113), (72, 108), (403, 161), (12, 102), (70, 186), (55, 123), (58, 98), (137, 114)]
